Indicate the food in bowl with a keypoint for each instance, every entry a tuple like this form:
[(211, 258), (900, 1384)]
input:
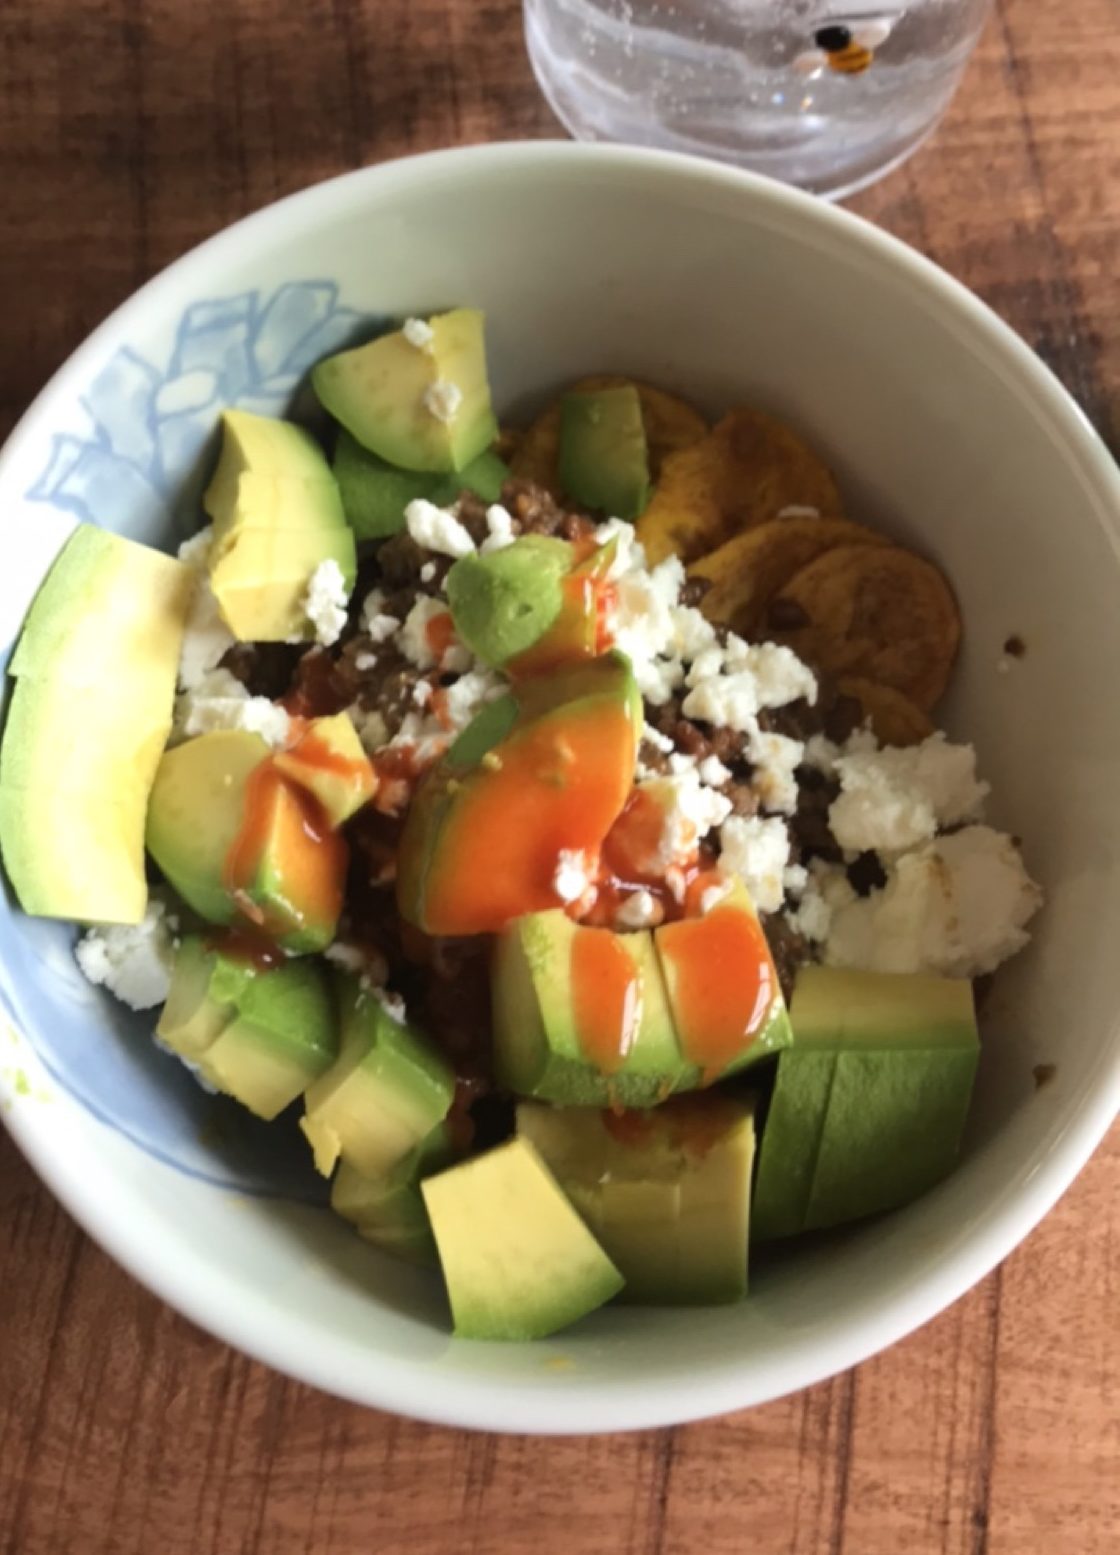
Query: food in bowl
[(545, 813)]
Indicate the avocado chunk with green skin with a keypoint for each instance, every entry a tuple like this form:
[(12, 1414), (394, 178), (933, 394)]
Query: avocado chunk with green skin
[(419, 406), (329, 761), (490, 821), (261, 1036), (504, 602), (870, 1101), (375, 494), (385, 1094), (260, 578), (580, 1016), (666, 1193), (196, 814), (722, 987), (89, 716), (604, 459), (389, 1210), (518, 1261)]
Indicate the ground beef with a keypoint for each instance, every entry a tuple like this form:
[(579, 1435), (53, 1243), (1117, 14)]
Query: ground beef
[(399, 560), (867, 874), (797, 720), (536, 511), (693, 591), (789, 949), (264, 669), (808, 828)]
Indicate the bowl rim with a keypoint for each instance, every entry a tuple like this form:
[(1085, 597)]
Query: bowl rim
[(282, 1342)]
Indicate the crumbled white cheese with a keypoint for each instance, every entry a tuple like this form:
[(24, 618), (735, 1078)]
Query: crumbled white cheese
[(442, 400), (365, 963), (690, 810), (419, 333), (392, 1003), (364, 662), (220, 701), (713, 772), (571, 878), (680, 761), (437, 529), (730, 700), (957, 906), (422, 693), (757, 850), (795, 879), (325, 602), (641, 910), (427, 572), (812, 918), (414, 638), (659, 741), (206, 637), (370, 726), (821, 754), (894, 798), (195, 552), (629, 555), (693, 632), (499, 522), (133, 961), (376, 624), (712, 895), (775, 760), (463, 698), (781, 677), (644, 629)]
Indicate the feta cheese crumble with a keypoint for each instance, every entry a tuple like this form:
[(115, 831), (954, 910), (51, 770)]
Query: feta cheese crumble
[(437, 529), (775, 759), (220, 701), (689, 811), (376, 623), (133, 961), (895, 798), (442, 400), (641, 910), (419, 333), (499, 522), (325, 602), (206, 638), (571, 878), (414, 639), (757, 849)]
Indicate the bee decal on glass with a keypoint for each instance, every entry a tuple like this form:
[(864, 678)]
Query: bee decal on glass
[(846, 44)]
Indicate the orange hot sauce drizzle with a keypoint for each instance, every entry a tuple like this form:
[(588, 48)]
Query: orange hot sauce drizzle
[(440, 634), (724, 984), (606, 998), (582, 630), (313, 751)]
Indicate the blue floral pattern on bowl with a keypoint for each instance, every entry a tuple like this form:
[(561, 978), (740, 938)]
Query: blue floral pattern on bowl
[(138, 470)]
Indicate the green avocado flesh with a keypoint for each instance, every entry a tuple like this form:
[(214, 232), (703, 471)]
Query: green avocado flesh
[(421, 408), (518, 1261), (388, 1210), (260, 1036), (385, 1094), (89, 715), (666, 1193), (869, 1102), (375, 494), (504, 602), (548, 1040), (604, 461)]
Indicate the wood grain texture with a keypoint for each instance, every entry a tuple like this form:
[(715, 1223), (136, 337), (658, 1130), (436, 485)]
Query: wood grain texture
[(130, 130)]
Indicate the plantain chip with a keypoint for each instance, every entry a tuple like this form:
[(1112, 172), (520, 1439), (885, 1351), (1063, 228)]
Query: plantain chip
[(670, 425), (746, 572), (746, 472), (894, 718), (876, 612)]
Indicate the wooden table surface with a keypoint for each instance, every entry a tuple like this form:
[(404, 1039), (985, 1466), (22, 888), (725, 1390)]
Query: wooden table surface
[(131, 129)]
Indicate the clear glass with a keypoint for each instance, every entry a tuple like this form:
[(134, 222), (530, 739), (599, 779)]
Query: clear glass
[(804, 90)]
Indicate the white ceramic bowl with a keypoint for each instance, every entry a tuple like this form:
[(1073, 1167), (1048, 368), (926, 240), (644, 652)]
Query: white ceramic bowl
[(944, 428)]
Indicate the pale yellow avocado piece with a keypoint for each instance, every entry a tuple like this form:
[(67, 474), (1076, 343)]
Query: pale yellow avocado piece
[(90, 714), (330, 762), (261, 580), (518, 1261), (265, 452), (279, 504)]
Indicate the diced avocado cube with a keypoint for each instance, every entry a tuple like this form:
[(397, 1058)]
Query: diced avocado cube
[(518, 1261), (604, 460), (722, 986), (666, 1193), (260, 579), (580, 1015), (870, 1101), (419, 406), (329, 762), (261, 1036), (387, 1091), (389, 1210), (375, 494), (504, 602)]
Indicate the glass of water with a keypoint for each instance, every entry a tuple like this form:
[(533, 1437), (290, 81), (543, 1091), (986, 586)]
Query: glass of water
[(808, 91)]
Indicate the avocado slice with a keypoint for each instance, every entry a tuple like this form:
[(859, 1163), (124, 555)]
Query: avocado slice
[(723, 990), (261, 1036), (666, 1193), (90, 713), (545, 770), (388, 1210), (504, 602), (604, 459), (260, 578), (870, 1101), (580, 1015), (328, 760), (375, 494), (518, 1261), (422, 407), (385, 1094)]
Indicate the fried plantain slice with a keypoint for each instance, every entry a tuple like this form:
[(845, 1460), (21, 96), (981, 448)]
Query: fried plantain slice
[(894, 718), (876, 612), (670, 425), (748, 471), (746, 572)]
